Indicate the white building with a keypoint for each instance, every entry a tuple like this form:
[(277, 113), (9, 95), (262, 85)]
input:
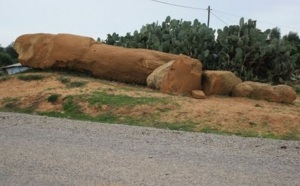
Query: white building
[(13, 69)]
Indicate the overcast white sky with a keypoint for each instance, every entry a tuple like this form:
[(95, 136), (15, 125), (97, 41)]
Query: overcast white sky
[(97, 18)]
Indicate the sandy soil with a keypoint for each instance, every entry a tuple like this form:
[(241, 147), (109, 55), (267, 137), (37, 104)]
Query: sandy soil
[(225, 113)]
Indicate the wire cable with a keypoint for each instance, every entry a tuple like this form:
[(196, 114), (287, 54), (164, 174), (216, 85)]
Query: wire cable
[(228, 19), (215, 11), (227, 13), (219, 18), (258, 20), (182, 6)]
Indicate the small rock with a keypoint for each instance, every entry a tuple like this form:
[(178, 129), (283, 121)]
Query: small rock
[(198, 94), (283, 147)]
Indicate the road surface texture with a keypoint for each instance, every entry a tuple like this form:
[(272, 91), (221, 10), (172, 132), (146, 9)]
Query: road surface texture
[(37, 150)]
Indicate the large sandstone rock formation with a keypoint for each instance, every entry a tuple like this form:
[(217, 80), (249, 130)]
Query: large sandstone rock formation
[(278, 93), (183, 76), (155, 79), (180, 76), (84, 53), (219, 82)]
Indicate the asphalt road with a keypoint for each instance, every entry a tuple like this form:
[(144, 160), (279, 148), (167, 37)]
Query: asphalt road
[(36, 150)]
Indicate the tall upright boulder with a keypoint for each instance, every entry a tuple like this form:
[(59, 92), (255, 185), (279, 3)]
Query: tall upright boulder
[(155, 79), (183, 76), (85, 54)]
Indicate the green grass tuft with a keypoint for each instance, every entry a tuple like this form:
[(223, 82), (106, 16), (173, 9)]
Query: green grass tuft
[(291, 136), (76, 84), (179, 126), (32, 77), (208, 129), (5, 78), (67, 81), (53, 98), (102, 98), (69, 105), (64, 80)]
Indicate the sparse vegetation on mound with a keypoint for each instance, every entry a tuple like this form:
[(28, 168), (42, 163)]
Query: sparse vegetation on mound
[(112, 102), (31, 77)]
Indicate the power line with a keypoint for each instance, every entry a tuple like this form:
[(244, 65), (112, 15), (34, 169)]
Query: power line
[(219, 18), (182, 6), (227, 13), (228, 19), (224, 13), (285, 26), (258, 20)]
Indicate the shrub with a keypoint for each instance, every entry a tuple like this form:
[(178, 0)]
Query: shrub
[(297, 89), (53, 98), (244, 49)]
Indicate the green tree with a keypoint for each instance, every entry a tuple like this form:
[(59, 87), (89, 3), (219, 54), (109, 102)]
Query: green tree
[(275, 33), (5, 59), (11, 51), (294, 39)]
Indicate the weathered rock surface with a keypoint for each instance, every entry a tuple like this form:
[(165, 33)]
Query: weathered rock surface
[(154, 80), (184, 76), (198, 94), (278, 93), (219, 82), (84, 53)]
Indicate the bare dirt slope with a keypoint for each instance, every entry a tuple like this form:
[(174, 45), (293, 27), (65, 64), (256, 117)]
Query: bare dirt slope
[(215, 114)]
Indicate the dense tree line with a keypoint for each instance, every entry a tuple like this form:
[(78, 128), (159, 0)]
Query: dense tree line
[(8, 55)]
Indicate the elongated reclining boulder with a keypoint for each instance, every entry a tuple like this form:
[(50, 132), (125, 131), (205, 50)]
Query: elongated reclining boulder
[(85, 54), (278, 93)]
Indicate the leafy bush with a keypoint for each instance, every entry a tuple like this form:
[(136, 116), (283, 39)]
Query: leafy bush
[(297, 89), (252, 54), (243, 49), (5, 59)]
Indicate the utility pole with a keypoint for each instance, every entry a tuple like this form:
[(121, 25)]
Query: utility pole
[(208, 19)]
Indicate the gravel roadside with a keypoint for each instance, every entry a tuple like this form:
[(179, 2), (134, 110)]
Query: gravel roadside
[(37, 150)]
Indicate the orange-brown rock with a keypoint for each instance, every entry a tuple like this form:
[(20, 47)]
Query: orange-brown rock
[(154, 80), (183, 77), (219, 82), (278, 93), (198, 94), (84, 53)]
